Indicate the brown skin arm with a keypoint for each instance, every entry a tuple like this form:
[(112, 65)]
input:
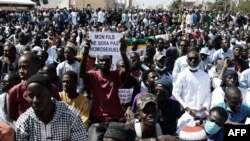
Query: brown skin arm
[(83, 64)]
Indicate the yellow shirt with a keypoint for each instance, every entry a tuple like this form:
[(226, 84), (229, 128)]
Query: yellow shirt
[(80, 103)]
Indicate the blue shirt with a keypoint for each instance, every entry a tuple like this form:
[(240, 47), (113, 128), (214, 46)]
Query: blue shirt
[(239, 117)]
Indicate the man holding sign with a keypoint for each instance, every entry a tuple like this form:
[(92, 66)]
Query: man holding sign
[(103, 85)]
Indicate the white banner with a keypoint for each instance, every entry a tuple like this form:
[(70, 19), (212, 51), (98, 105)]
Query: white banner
[(125, 95), (105, 43)]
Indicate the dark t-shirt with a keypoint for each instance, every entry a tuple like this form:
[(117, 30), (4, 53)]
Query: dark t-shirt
[(169, 115)]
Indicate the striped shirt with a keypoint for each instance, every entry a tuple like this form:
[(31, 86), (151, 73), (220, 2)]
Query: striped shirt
[(65, 125)]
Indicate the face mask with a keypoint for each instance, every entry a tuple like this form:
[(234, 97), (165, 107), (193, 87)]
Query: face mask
[(211, 127), (193, 69), (160, 69)]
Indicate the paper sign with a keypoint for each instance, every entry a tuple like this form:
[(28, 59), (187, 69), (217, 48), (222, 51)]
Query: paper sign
[(105, 43), (125, 95)]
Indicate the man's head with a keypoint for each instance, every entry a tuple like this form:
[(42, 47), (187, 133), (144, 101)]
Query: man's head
[(163, 89), (149, 77), (230, 78), (43, 56), (237, 50), (117, 131), (233, 99), (216, 119), (193, 59), (69, 53), (225, 44), (184, 46), (147, 109), (50, 72), (120, 64), (9, 51), (104, 62), (9, 80), (28, 65), (204, 53), (45, 44), (39, 93), (210, 44), (69, 81), (160, 43), (134, 57), (160, 61)]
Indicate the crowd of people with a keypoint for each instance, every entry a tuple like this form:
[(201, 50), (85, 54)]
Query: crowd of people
[(186, 74)]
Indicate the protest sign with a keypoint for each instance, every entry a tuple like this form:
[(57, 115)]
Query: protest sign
[(125, 95), (106, 43)]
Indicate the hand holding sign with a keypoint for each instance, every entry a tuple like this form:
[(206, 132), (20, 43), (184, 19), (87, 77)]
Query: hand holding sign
[(86, 46), (123, 47)]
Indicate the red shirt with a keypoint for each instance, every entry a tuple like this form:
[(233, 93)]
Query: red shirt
[(18, 99), (106, 105)]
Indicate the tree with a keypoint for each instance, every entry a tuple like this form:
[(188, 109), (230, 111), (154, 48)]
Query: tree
[(175, 5), (243, 6), (219, 5)]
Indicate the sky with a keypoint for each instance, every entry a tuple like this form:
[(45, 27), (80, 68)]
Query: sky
[(154, 3)]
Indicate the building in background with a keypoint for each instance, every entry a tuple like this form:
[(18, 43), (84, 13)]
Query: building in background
[(79, 4), (141, 4)]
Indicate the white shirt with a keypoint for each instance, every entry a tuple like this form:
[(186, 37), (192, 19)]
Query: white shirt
[(218, 96), (179, 65), (189, 19), (101, 17), (64, 66), (221, 54), (192, 89), (52, 56), (245, 79), (211, 56)]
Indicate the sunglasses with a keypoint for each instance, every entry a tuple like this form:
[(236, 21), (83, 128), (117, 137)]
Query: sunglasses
[(193, 58)]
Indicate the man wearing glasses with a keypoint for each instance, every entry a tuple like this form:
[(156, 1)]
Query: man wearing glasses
[(192, 87)]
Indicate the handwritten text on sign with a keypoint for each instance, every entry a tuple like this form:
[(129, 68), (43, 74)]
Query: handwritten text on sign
[(125, 95), (105, 43)]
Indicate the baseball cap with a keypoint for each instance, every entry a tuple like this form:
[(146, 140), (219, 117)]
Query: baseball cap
[(159, 56), (205, 51), (145, 99), (238, 46)]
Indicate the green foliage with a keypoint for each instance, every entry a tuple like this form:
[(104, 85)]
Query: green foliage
[(176, 5), (243, 6)]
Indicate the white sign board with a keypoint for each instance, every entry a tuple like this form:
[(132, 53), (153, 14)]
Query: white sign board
[(105, 43), (125, 95)]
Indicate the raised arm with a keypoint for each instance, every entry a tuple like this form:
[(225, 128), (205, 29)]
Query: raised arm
[(123, 50), (83, 64)]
